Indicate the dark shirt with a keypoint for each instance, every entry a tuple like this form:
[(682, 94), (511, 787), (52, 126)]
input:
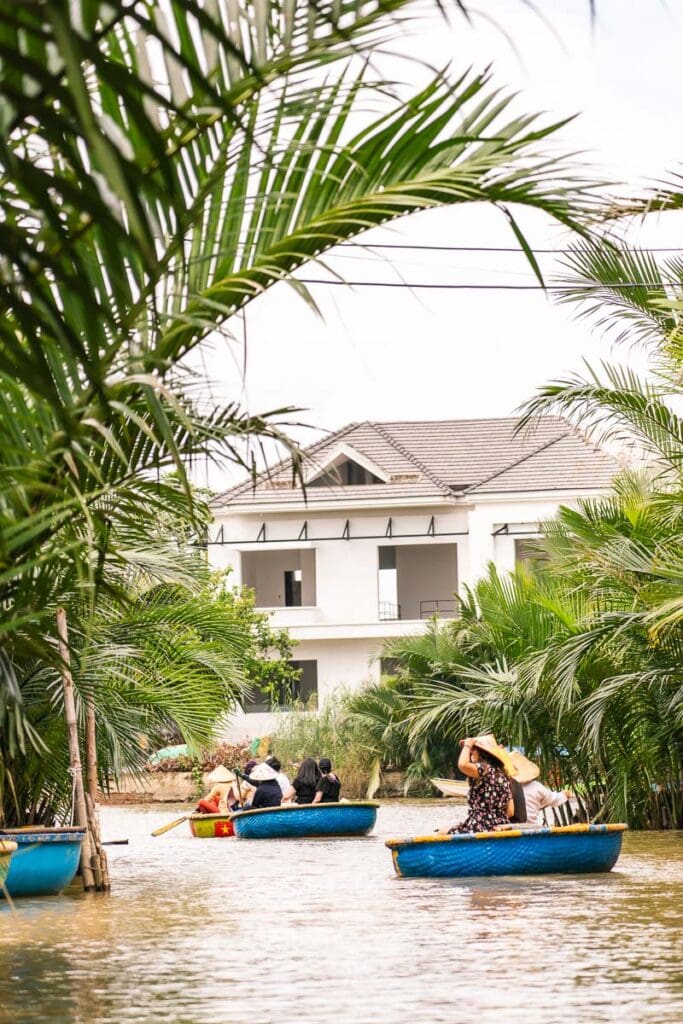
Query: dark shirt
[(268, 794), (330, 787), (304, 792)]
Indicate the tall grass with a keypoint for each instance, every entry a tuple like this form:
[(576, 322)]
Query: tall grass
[(330, 732)]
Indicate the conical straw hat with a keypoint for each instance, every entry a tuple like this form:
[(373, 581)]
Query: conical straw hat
[(221, 774), (490, 745), (523, 770)]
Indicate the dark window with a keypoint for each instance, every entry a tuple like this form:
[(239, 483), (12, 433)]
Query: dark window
[(347, 473), (389, 666), (293, 579), (304, 690)]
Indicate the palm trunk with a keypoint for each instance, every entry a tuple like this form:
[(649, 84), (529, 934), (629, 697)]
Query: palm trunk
[(91, 749), (80, 811)]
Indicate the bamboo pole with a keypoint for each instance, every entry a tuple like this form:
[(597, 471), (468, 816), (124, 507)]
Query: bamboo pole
[(91, 748), (80, 811)]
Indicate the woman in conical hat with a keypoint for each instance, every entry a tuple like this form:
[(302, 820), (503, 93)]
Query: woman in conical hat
[(223, 793), (535, 796), (488, 767)]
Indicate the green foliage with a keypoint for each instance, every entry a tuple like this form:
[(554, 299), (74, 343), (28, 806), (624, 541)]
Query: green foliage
[(332, 732)]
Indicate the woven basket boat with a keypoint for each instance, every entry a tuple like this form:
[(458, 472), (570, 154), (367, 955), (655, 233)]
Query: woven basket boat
[(304, 820), (570, 849), (7, 848), (211, 826), (46, 859)]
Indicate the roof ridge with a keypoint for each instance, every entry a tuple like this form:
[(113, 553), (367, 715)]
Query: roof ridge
[(270, 471), (518, 462), (383, 433)]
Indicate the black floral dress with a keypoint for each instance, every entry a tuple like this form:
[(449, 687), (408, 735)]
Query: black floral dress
[(488, 800)]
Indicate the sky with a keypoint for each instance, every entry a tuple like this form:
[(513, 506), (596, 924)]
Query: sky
[(388, 354)]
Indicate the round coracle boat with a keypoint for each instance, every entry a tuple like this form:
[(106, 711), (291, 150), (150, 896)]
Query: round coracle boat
[(352, 818), (572, 849), (211, 826), (46, 860)]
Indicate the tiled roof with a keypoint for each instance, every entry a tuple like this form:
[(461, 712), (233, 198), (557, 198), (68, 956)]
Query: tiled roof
[(435, 459)]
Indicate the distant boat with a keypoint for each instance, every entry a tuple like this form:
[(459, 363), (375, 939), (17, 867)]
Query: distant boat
[(451, 787), (570, 849), (211, 826), (303, 820), (46, 860)]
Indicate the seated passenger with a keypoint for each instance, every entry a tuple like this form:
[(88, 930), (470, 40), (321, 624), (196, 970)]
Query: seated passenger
[(282, 779), (327, 790), (488, 768), (303, 788), (223, 794), (531, 796), (268, 792)]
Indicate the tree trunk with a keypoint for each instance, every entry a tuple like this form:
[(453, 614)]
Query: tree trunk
[(80, 811)]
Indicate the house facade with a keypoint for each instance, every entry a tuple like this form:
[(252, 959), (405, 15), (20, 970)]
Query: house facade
[(395, 520)]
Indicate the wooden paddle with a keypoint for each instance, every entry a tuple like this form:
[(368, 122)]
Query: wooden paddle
[(167, 828)]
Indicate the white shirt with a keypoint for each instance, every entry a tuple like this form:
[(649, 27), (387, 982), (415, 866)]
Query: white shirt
[(283, 782), (537, 796)]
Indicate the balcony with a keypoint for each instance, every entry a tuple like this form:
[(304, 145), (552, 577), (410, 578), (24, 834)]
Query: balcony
[(417, 581)]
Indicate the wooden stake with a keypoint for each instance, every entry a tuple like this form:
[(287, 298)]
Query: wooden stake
[(80, 811), (91, 748)]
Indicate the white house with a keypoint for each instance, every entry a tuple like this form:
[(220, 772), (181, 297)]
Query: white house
[(395, 519)]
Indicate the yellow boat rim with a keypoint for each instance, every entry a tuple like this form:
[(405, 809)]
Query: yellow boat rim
[(511, 833)]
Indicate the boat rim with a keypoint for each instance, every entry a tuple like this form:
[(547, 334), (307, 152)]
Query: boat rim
[(303, 807), (516, 833)]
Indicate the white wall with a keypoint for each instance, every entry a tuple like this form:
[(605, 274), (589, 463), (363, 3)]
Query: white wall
[(265, 572)]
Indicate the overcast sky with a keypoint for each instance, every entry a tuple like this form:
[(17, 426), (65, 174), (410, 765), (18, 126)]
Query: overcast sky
[(388, 354)]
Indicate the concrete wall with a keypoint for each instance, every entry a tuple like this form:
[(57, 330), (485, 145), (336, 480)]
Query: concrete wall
[(425, 573)]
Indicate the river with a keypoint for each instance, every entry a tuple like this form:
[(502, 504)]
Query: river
[(322, 932)]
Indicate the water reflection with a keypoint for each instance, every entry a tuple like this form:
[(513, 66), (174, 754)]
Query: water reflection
[(318, 932)]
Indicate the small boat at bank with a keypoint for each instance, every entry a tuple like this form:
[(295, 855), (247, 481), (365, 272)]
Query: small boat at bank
[(300, 821), (571, 849), (211, 826), (7, 848), (452, 787), (46, 860)]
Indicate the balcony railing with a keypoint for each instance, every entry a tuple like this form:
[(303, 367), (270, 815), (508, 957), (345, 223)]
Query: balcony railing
[(389, 612), (443, 608)]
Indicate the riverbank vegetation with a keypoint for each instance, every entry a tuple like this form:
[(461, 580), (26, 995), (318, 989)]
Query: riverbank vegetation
[(160, 170)]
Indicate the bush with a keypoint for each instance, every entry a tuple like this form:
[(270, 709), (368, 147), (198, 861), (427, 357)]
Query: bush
[(331, 732)]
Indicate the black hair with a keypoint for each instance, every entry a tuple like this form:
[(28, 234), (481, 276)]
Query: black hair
[(325, 765), (308, 773), (274, 763)]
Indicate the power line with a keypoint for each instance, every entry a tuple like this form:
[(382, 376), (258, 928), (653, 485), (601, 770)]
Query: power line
[(478, 248), (484, 287)]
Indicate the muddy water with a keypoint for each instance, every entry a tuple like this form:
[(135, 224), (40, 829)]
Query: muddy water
[(321, 932)]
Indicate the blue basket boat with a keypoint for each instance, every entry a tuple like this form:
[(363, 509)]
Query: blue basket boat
[(570, 849), (45, 862), (294, 821)]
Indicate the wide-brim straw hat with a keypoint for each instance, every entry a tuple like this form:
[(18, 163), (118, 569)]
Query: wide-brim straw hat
[(221, 774), (263, 773), (490, 745), (523, 770)]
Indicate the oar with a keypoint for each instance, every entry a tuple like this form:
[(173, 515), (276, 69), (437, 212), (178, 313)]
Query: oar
[(167, 828)]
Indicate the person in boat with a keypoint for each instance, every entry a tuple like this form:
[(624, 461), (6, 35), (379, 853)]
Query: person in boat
[(328, 789), (530, 796), (223, 793), (283, 780), (268, 792), (488, 768), (305, 783)]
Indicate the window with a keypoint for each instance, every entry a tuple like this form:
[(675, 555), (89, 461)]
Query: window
[(303, 691), (347, 473), (293, 578), (530, 551), (389, 666), (389, 608)]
